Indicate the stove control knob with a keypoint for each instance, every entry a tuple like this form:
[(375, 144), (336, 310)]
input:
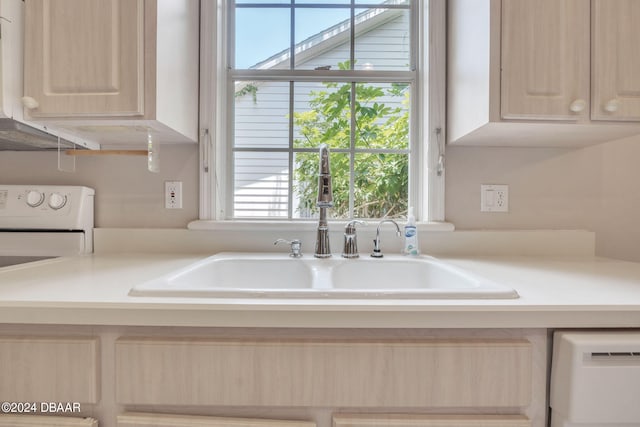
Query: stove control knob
[(57, 201), (35, 198)]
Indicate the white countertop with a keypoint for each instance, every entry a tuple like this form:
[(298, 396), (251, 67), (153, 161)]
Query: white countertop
[(558, 292)]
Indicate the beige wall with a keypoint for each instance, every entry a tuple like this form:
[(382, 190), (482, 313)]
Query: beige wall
[(127, 194), (618, 221), (548, 188), (594, 188)]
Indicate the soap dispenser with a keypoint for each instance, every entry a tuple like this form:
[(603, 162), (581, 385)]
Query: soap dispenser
[(411, 245)]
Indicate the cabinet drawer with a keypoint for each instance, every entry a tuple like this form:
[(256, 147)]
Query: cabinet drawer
[(162, 420), (42, 421), (410, 420), (392, 373), (49, 369)]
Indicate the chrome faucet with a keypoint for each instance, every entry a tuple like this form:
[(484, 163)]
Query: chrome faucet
[(325, 201), (377, 253), (350, 249), (295, 247)]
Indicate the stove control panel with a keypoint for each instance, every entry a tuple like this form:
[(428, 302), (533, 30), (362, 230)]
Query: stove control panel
[(55, 200), (50, 207)]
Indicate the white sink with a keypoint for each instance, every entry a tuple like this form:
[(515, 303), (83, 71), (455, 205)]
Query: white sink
[(262, 275), (233, 275), (396, 276)]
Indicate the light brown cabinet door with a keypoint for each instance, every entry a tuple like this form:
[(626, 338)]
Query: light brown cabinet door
[(422, 373), (545, 59), (53, 369), (85, 58), (616, 60)]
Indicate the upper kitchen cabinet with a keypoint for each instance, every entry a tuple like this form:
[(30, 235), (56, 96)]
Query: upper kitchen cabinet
[(616, 60), (85, 58), (113, 71), (545, 59), (542, 73)]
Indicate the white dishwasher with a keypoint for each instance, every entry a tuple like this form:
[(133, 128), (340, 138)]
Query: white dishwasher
[(595, 379)]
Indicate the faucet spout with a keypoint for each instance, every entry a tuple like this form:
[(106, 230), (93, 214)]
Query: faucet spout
[(377, 252), (325, 201)]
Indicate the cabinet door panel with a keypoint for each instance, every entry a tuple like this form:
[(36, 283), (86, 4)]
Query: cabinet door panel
[(49, 369), (85, 57), (545, 59), (616, 60), (447, 373)]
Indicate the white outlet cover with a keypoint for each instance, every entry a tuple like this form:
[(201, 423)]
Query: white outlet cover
[(173, 194), (494, 198)]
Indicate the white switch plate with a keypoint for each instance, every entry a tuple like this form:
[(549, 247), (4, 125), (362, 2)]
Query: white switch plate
[(494, 198), (173, 194)]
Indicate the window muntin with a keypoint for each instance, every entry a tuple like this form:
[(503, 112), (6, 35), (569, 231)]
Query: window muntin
[(274, 141)]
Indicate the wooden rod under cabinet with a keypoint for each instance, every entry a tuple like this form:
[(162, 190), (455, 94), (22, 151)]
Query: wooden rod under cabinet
[(107, 152)]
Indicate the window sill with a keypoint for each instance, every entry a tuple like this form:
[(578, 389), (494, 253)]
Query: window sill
[(256, 225)]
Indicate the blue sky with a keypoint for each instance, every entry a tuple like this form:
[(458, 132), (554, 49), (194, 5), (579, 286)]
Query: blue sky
[(265, 32)]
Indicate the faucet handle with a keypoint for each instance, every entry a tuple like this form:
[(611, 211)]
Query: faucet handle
[(295, 244), (350, 228), (350, 249)]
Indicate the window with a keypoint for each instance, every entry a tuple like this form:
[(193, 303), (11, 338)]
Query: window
[(294, 74)]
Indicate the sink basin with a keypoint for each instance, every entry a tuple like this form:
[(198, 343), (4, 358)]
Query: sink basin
[(396, 276), (233, 275), (262, 275)]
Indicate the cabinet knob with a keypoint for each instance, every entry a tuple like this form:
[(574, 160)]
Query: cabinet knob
[(612, 106), (578, 105), (29, 103)]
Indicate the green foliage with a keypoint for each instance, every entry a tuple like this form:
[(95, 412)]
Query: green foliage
[(248, 88), (380, 179)]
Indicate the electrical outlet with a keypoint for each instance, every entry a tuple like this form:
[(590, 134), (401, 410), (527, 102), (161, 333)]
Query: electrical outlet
[(494, 198), (173, 194)]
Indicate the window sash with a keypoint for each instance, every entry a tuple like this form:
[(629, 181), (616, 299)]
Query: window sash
[(352, 6), (214, 152)]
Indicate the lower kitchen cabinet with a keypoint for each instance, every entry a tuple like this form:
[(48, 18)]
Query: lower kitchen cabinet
[(270, 377), (413, 420), (45, 421), (166, 420)]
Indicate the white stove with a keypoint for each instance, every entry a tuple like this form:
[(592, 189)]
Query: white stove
[(44, 221)]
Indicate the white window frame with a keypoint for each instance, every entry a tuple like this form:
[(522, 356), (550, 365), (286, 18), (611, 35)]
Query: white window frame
[(214, 151)]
